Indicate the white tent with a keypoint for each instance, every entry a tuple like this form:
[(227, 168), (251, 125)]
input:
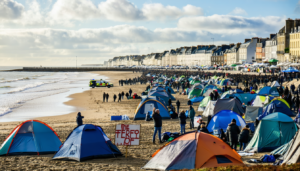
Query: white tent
[(293, 153), (275, 84), (260, 101), (209, 110)]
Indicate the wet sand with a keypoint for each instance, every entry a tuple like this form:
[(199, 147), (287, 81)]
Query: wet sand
[(97, 112)]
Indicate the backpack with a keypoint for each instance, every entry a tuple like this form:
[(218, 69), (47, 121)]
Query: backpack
[(165, 136), (268, 159)]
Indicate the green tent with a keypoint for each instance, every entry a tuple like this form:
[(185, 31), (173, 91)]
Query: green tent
[(233, 65), (273, 131), (194, 93), (273, 60), (203, 103)]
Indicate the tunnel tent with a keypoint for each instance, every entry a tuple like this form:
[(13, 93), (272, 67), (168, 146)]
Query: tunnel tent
[(187, 152), (147, 105), (272, 132), (31, 137), (221, 120), (229, 104), (86, 142)]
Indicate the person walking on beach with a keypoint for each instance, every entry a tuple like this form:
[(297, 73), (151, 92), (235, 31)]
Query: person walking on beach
[(130, 92), (104, 96), (178, 105), (107, 96), (157, 124), (127, 96), (115, 97), (244, 137), (123, 94), (119, 97), (79, 119), (192, 116), (182, 119)]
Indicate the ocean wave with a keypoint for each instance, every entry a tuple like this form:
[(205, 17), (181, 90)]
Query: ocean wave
[(4, 110), (14, 80)]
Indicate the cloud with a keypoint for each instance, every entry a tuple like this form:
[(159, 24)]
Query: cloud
[(158, 11), (227, 24), (10, 9), (120, 10), (238, 11)]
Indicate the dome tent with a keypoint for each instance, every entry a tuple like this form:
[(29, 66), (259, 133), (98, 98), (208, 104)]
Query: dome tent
[(31, 137), (268, 91), (273, 131), (221, 120), (87, 141), (229, 104), (276, 106), (147, 105), (186, 152)]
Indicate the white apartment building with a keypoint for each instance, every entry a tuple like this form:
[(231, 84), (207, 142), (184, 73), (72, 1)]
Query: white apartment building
[(271, 48), (247, 51)]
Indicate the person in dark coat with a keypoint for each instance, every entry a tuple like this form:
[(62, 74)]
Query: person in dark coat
[(223, 135), (178, 105), (170, 101), (120, 95), (157, 124), (203, 128), (115, 97), (104, 96), (192, 116), (130, 92), (189, 103), (233, 132), (244, 137), (107, 96), (79, 119), (182, 119), (123, 94), (127, 96)]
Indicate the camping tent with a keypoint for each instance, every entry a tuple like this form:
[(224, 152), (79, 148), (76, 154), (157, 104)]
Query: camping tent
[(261, 101), (268, 91), (31, 137), (197, 99), (169, 89), (221, 120), (87, 141), (292, 155), (229, 104), (208, 91), (203, 103), (252, 112), (276, 106), (246, 98), (275, 84), (273, 131), (147, 105), (187, 152), (282, 100), (209, 110), (194, 93)]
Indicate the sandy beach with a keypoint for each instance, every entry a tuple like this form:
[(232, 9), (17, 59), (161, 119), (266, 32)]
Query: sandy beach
[(97, 112)]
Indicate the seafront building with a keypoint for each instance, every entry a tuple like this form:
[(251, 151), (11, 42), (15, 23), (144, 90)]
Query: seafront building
[(283, 46)]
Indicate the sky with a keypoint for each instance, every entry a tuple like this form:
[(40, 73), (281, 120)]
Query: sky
[(54, 32)]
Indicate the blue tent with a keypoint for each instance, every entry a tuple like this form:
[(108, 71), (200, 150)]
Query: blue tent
[(221, 120), (170, 89), (197, 99), (238, 91), (31, 137), (268, 91), (276, 106), (158, 93), (291, 69), (147, 105), (85, 142)]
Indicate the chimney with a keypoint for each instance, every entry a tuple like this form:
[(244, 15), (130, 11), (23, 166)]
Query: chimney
[(231, 45), (246, 40), (238, 45)]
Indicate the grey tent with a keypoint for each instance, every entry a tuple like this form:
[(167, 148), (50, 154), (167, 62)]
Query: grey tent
[(207, 93), (252, 112), (293, 153), (229, 104)]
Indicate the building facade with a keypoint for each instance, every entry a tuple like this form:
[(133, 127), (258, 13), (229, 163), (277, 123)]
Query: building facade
[(247, 50), (271, 48), (295, 44)]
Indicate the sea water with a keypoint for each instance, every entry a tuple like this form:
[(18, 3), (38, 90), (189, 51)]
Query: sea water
[(27, 95)]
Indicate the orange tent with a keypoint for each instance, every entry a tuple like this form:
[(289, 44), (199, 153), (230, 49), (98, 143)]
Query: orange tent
[(194, 150)]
